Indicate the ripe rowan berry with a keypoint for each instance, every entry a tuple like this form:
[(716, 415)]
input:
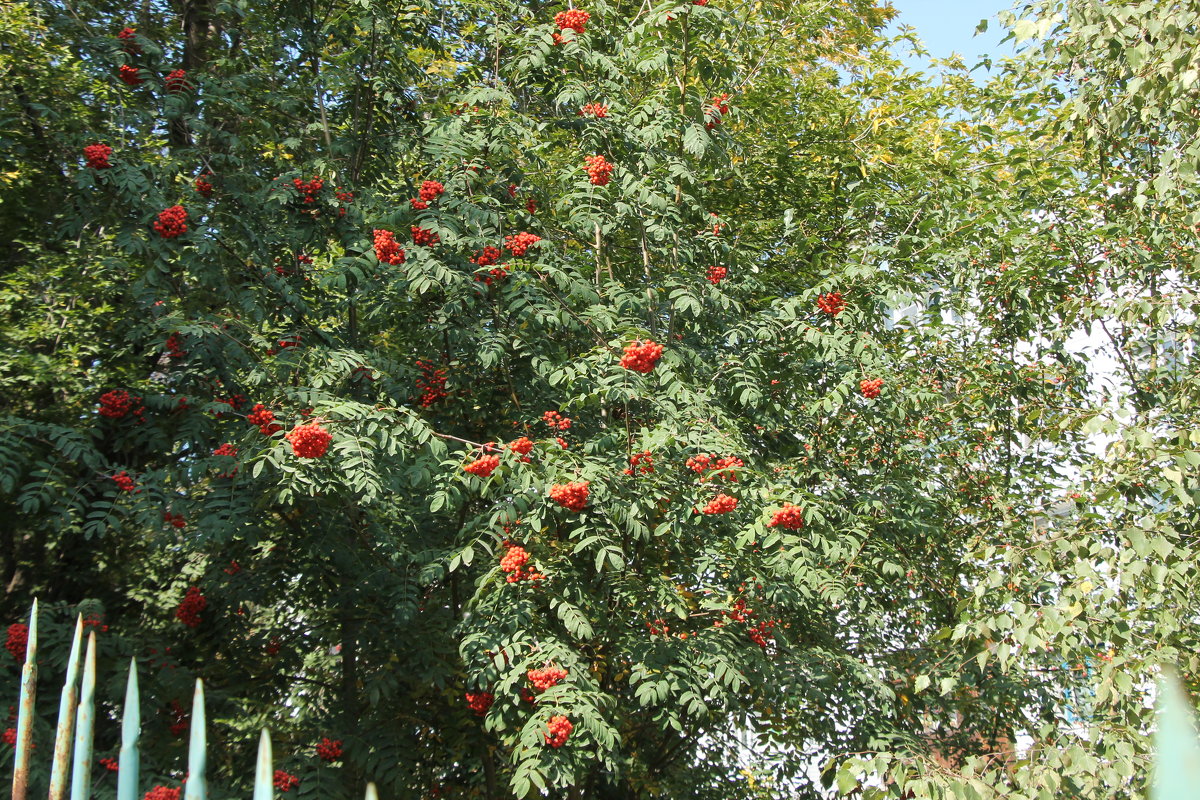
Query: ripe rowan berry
[(430, 191), (870, 389), (560, 728), (424, 236), (593, 110), (599, 171), (124, 482), (110, 764), (721, 504), (417, 205), (483, 466), (643, 462), (162, 793), (171, 222), (572, 496), (18, 640), (575, 20), (309, 440), (264, 418), (716, 274), (831, 303), (190, 607), (174, 520), (531, 206), (118, 403), (386, 248), (520, 243), (127, 41), (285, 781), (556, 421), (641, 356), (790, 517), (203, 187), (97, 156), (176, 81), (309, 189), (546, 677), (480, 702), (432, 383), (132, 76), (521, 447), (329, 749)]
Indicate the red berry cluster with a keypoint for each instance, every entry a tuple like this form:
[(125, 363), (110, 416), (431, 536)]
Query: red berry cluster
[(483, 466), (174, 520), (285, 781), (560, 728), (342, 195), (599, 171), (18, 640), (531, 206), (190, 607), (790, 517), (831, 303), (127, 43), (432, 383), (546, 677), (203, 187), (119, 403), (10, 737), (870, 389), (386, 248), (179, 717), (717, 109), (572, 496), (720, 467), (716, 274), (430, 191), (286, 343), (95, 621), (522, 447), (643, 462), (233, 569), (162, 793), (174, 346), (309, 440), (699, 2), (226, 449), (519, 244), (177, 81), (417, 205), (124, 482), (480, 702), (513, 562), (575, 20), (556, 421), (309, 189), (760, 634), (593, 110), (264, 418), (486, 257), (109, 764), (641, 356), (171, 222), (97, 156), (721, 504), (329, 749), (130, 75), (423, 236)]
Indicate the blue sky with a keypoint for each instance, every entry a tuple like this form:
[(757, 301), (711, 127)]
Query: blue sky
[(948, 26)]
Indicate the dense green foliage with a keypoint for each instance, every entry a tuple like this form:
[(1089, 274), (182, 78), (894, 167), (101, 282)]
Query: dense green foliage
[(996, 546)]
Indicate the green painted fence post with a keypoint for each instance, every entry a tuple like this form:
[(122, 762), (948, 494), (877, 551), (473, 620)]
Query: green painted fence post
[(371, 793), (81, 772), (264, 776), (1177, 750), (129, 763), (25, 713), (196, 787), (66, 718)]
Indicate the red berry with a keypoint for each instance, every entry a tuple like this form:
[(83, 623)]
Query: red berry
[(576, 20), (572, 496), (177, 81), (285, 781), (546, 677), (18, 640), (641, 356), (431, 190), (162, 793), (594, 110), (264, 418), (309, 440), (721, 504), (599, 171), (130, 75), (560, 728), (424, 236), (831, 303), (483, 466), (480, 702), (870, 389), (171, 222), (97, 156), (519, 244), (386, 248), (190, 607), (203, 187), (790, 517), (329, 749), (716, 274)]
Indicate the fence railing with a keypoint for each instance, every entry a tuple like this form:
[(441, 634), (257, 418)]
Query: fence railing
[(71, 766)]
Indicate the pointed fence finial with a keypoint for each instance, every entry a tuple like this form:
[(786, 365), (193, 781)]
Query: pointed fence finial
[(25, 712), (66, 718), (196, 787), (264, 777), (129, 760), (81, 770)]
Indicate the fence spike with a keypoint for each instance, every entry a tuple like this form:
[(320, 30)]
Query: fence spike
[(66, 718), (196, 787), (264, 777), (25, 713), (81, 771), (372, 794), (129, 763)]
